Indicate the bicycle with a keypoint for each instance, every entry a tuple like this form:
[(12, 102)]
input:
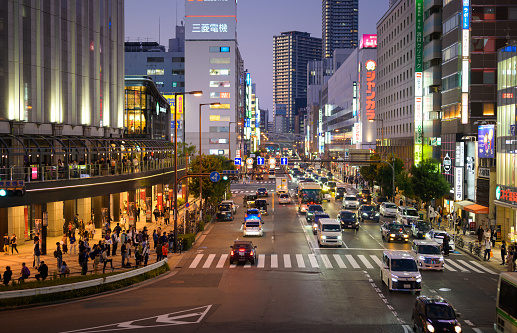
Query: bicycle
[(477, 250), (471, 246), (459, 241)]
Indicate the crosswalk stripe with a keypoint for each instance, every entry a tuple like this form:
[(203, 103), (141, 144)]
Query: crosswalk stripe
[(222, 260), (274, 261), (365, 261), (326, 261), (466, 264), (261, 260), (299, 261), (376, 259), (314, 262), (455, 265), (352, 261), (482, 267), (449, 268), (233, 265), (209, 261), (248, 265), (339, 261), (287, 260), (196, 261)]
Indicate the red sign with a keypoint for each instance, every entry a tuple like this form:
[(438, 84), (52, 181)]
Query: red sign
[(368, 41), (370, 90), (508, 95), (224, 95)]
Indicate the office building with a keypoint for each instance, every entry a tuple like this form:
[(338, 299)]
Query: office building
[(291, 52), (339, 25), (264, 120)]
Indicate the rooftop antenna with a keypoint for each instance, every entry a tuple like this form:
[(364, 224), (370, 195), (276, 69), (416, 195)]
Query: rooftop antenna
[(159, 30), (176, 12)]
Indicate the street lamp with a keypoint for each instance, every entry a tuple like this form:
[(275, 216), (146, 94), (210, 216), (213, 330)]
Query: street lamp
[(382, 128), (200, 161), (196, 93)]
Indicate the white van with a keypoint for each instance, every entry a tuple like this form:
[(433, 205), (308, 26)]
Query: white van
[(428, 254), (407, 215), (399, 271), (328, 232), (252, 227)]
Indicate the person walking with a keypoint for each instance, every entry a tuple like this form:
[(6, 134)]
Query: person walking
[(480, 234), (488, 249), (145, 253), (58, 254), (114, 240), (503, 251), (7, 241), (64, 242), (105, 260), (446, 245), (73, 245), (42, 271), (83, 261), (158, 251), (14, 244), (509, 259), (493, 237), (36, 254), (123, 253)]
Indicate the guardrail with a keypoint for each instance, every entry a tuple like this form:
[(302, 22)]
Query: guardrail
[(80, 285)]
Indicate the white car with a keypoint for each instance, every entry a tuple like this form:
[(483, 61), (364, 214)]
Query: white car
[(428, 254), (230, 202), (252, 227), (388, 209), (438, 235), (284, 198), (350, 202)]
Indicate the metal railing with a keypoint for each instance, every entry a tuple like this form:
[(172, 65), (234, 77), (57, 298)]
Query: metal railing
[(40, 173), (81, 285)]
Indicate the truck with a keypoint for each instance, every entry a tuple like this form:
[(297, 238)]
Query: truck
[(281, 185)]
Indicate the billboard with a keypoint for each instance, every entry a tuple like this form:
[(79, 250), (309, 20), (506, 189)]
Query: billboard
[(486, 141), (210, 28), (368, 41)]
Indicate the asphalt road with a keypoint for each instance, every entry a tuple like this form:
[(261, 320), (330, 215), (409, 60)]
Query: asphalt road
[(294, 286)]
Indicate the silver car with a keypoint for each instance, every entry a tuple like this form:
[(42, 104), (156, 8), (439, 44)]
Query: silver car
[(388, 209), (350, 202)]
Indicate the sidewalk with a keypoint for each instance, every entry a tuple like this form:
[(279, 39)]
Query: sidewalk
[(72, 260)]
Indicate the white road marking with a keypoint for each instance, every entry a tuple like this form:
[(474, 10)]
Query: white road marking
[(196, 261), (464, 263), (339, 261), (477, 330), (365, 261), (299, 261), (222, 260), (352, 261), (287, 260), (326, 261), (261, 261), (447, 267), (209, 261), (274, 261), (468, 322), (376, 259), (312, 259), (248, 265), (456, 265), (407, 328), (482, 267)]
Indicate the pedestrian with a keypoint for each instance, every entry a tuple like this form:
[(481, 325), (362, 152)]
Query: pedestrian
[(145, 253), (42, 271), (158, 251), (58, 254), (114, 240), (14, 243), (156, 214), (83, 261), (166, 216), (7, 275), (464, 229), (73, 245), (446, 245), (105, 260), (7, 241), (36, 254), (488, 249), (503, 251), (24, 273), (480, 234), (96, 261), (439, 221), (155, 238), (64, 270), (123, 253), (76, 221), (107, 242), (493, 237), (64, 242), (165, 247)]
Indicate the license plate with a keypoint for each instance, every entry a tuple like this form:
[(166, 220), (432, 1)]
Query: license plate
[(241, 254), (349, 225), (407, 286)]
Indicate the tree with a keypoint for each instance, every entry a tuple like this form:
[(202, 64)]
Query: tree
[(382, 174), (214, 192), (404, 184), (186, 148), (427, 182)]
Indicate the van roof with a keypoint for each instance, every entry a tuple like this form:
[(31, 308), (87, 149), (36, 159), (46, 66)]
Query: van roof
[(329, 221), (425, 242), (394, 254), (407, 207)]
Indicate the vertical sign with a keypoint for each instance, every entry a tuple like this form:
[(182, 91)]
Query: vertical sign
[(354, 100), (419, 68), (458, 184), (419, 46), (370, 89), (465, 62)]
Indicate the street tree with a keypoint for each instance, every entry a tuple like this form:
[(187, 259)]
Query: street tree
[(214, 192), (427, 182), (381, 174)]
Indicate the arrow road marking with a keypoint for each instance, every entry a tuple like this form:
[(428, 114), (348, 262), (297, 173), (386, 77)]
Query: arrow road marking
[(170, 319)]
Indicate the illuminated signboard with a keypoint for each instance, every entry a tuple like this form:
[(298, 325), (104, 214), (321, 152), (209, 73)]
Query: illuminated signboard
[(465, 70), (507, 95), (354, 101), (368, 41), (465, 14), (213, 27), (506, 194), (418, 83), (370, 89), (219, 95), (419, 67), (357, 133), (486, 140), (155, 72), (419, 46), (458, 184)]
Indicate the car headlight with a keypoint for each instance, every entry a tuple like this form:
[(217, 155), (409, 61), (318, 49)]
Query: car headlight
[(421, 258), (418, 280), (314, 225), (441, 259), (376, 214), (364, 214), (339, 237), (430, 328), (457, 329), (394, 279), (323, 237), (392, 235), (406, 236)]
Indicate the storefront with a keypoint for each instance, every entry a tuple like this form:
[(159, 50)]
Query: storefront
[(476, 215)]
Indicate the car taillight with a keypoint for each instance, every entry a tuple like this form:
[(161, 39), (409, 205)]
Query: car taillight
[(242, 250), (251, 253), (231, 253)]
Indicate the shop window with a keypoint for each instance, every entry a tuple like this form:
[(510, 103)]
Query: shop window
[(489, 13), (488, 109)]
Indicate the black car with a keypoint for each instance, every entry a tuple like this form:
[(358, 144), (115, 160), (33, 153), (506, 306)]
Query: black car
[(311, 210), (348, 220), (262, 192), (224, 213), (259, 177), (249, 200), (368, 213), (361, 199), (434, 314), (261, 205), (243, 251), (317, 217), (394, 232)]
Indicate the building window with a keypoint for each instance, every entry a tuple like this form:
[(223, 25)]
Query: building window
[(155, 72), (219, 84), (159, 84), (220, 107), (450, 82), (484, 45), (451, 23), (219, 95), (219, 60), (216, 117), (178, 84), (450, 53), (488, 109), (219, 129), (178, 72), (219, 72), (178, 59), (218, 141), (217, 49), (154, 59)]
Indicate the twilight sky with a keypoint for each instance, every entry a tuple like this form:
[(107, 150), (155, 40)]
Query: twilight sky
[(258, 22)]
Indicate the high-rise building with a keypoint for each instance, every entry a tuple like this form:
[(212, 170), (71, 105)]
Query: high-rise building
[(339, 25), (291, 52)]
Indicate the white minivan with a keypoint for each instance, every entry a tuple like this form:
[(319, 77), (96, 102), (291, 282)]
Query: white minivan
[(428, 254), (399, 271), (328, 232)]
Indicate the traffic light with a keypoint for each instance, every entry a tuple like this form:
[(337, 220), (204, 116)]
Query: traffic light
[(225, 177), (11, 188)]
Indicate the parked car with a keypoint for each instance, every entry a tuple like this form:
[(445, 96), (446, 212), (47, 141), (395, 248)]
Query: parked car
[(388, 209), (348, 220), (262, 192), (243, 251), (284, 198), (434, 314), (350, 201), (394, 232), (368, 213), (224, 212)]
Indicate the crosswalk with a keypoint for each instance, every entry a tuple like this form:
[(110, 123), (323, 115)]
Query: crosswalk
[(324, 261), (246, 191)]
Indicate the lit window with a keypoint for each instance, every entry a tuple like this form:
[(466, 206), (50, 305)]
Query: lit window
[(216, 117), (219, 72), (219, 84), (488, 109), (219, 60), (155, 72), (220, 106)]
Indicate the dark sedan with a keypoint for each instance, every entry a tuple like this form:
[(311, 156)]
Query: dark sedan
[(224, 213), (243, 251), (348, 220), (434, 314), (368, 213), (262, 192)]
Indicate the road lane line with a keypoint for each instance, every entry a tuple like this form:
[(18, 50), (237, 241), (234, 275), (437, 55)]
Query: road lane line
[(365, 261), (274, 261), (196, 261), (376, 259), (209, 261), (287, 260), (483, 267), (456, 265), (326, 261), (339, 261), (352, 261), (222, 260), (477, 330), (299, 261), (312, 259), (261, 261), (248, 265), (466, 264)]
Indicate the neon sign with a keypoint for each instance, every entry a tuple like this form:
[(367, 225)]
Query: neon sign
[(370, 89), (368, 41)]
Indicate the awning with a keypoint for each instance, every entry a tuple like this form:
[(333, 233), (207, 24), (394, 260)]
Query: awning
[(476, 209), (463, 204)]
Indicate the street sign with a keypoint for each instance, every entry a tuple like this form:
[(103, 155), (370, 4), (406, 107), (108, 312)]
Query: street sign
[(187, 205), (283, 161), (260, 161), (250, 166), (215, 176), (249, 161), (272, 160), (252, 155), (238, 161)]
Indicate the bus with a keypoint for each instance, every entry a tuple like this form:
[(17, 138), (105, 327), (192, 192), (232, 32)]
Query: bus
[(506, 307), (309, 194)]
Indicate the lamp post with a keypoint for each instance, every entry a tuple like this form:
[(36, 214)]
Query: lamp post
[(195, 93), (200, 162), (382, 129), (230, 138)]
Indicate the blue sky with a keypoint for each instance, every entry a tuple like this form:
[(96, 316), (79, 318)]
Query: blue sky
[(258, 22)]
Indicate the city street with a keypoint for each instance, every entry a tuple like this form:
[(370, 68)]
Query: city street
[(294, 286)]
